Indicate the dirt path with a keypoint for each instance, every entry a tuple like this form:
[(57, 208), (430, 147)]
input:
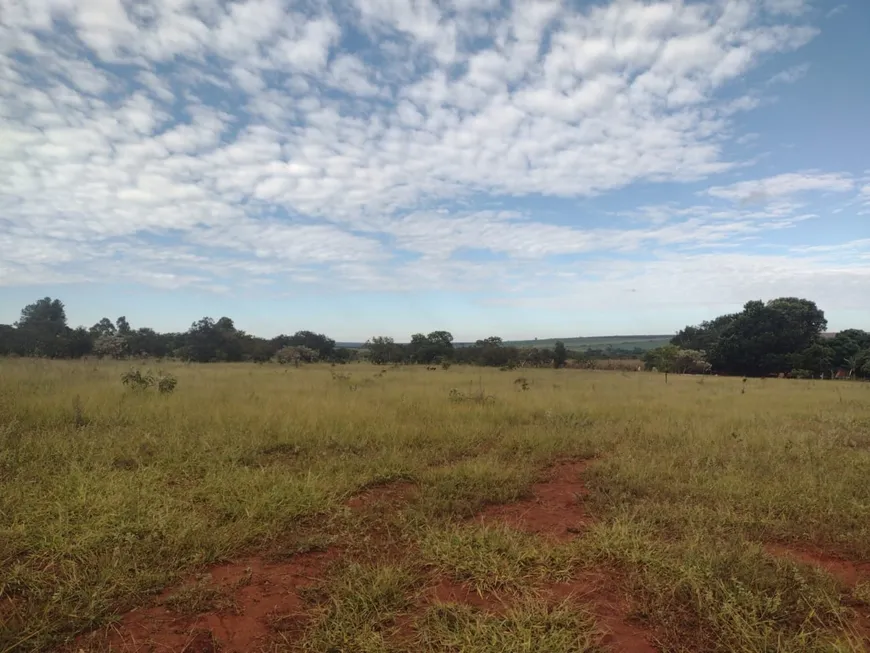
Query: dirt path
[(240, 607), (848, 572), (258, 596), (245, 602), (556, 509)]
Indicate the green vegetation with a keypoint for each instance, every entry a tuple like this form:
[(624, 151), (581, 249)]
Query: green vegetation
[(492, 558), (109, 495), (529, 627), (781, 336)]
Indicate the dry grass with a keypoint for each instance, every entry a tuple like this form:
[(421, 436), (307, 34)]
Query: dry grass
[(108, 496)]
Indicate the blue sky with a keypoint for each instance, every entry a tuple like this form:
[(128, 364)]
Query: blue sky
[(527, 169)]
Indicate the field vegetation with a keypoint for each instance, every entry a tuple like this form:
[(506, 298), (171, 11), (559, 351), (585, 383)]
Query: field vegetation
[(373, 509)]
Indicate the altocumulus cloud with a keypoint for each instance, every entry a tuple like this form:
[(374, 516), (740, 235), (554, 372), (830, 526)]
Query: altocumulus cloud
[(364, 144)]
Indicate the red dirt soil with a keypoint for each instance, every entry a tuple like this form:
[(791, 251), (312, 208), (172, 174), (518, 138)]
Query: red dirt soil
[(388, 493), (265, 596), (448, 591), (596, 590), (260, 591), (846, 571), (555, 509)]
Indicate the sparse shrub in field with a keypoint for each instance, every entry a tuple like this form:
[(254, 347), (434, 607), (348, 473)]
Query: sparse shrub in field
[(166, 383), (337, 376), (445, 365), (296, 355), (135, 380), (479, 397), (522, 382)]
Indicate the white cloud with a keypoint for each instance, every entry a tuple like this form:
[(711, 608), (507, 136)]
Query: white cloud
[(710, 278), (261, 138), (764, 190), (792, 7), (790, 75)]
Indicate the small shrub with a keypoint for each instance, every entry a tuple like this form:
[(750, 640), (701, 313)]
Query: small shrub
[(166, 383), (457, 396), (445, 365), (522, 382), (135, 380)]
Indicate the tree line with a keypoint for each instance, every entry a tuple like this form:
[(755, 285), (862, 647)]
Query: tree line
[(438, 348), (42, 331), (781, 336)]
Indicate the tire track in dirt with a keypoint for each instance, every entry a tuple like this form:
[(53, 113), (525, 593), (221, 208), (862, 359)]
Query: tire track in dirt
[(556, 511), (264, 598), (850, 574), (260, 598)]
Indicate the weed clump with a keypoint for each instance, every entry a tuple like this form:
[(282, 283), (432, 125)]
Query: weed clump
[(164, 382)]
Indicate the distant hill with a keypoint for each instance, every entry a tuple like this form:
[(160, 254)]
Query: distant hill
[(599, 342), (577, 344), (582, 344)]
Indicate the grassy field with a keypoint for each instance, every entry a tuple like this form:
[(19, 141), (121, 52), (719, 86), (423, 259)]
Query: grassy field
[(599, 342), (352, 509)]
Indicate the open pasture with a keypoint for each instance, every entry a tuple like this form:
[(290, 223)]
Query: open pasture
[(369, 509)]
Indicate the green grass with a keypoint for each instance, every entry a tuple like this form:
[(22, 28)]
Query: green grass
[(108, 497), (357, 608), (529, 627), (494, 558), (734, 595)]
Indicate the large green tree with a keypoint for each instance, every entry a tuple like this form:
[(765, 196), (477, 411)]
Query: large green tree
[(764, 337), (42, 329), (383, 350), (846, 345), (560, 354), (704, 336)]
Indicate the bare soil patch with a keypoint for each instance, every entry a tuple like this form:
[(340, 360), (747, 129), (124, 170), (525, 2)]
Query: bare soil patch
[(850, 573), (263, 596), (261, 593), (556, 508), (611, 609), (448, 591)]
